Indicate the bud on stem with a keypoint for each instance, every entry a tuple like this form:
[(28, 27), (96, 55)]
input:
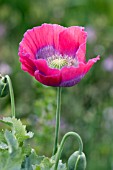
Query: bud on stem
[(4, 89), (80, 153), (77, 161)]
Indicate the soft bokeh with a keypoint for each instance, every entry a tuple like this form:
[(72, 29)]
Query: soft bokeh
[(86, 108)]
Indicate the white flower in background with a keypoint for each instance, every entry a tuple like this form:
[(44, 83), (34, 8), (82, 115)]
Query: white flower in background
[(5, 69)]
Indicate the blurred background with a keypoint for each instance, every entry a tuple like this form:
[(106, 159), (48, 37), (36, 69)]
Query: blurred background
[(87, 108)]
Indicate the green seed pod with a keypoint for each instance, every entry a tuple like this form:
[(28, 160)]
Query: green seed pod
[(4, 89), (77, 161)]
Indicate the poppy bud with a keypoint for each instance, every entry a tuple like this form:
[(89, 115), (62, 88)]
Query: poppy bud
[(4, 89), (77, 161)]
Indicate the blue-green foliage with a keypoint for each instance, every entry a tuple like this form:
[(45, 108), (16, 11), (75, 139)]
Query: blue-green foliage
[(16, 154)]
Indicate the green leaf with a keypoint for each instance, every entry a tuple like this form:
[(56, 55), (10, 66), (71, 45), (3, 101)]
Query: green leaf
[(27, 164), (35, 159), (32, 160), (26, 149), (11, 140), (11, 158), (46, 164), (11, 161), (20, 130)]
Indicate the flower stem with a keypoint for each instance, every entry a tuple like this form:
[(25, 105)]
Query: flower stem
[(62, 144), (57, 120), (11, 95)]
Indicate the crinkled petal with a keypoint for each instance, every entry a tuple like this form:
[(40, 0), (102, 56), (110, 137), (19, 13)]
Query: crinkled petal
[(40, 37), (71, 76), (25, 51), (50, 80), (26, 68), (47, 34), (47, 75), (81, 52), (70, 40), (28, 65), (90, 63), (42, 66)]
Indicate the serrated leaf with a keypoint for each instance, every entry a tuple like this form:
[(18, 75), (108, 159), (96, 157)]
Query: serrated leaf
[(11, 141), (46, 164), (31, 160), (20, 130), (35, 159)]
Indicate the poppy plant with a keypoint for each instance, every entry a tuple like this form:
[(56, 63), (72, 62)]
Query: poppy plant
[(55, 55)]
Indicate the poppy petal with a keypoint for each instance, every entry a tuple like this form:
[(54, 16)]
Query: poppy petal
[(40, 37), (43, 68), (47, 34), (50, 80), (71, 76), (70, 39), (81, 52), (28, 65)]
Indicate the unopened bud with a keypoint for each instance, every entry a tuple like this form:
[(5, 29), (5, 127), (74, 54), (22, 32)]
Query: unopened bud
[(4, 89), (77, 161)]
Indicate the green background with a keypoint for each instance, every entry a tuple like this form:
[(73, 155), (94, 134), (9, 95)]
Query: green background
[(87, 108)]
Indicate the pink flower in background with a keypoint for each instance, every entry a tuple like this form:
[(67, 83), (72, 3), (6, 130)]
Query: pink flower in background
[(3, 30), (107, 64), (91, 34), (5, 69), (55, 55)]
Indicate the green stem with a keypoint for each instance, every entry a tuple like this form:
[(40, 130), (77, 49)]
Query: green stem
[(11, 95), (62, 144), (57, 120)]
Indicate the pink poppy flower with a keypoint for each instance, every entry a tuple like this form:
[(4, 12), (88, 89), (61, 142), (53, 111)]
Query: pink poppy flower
[(55, 55)]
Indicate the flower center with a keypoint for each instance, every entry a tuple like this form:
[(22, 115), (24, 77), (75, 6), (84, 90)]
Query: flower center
[(59, 61)]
